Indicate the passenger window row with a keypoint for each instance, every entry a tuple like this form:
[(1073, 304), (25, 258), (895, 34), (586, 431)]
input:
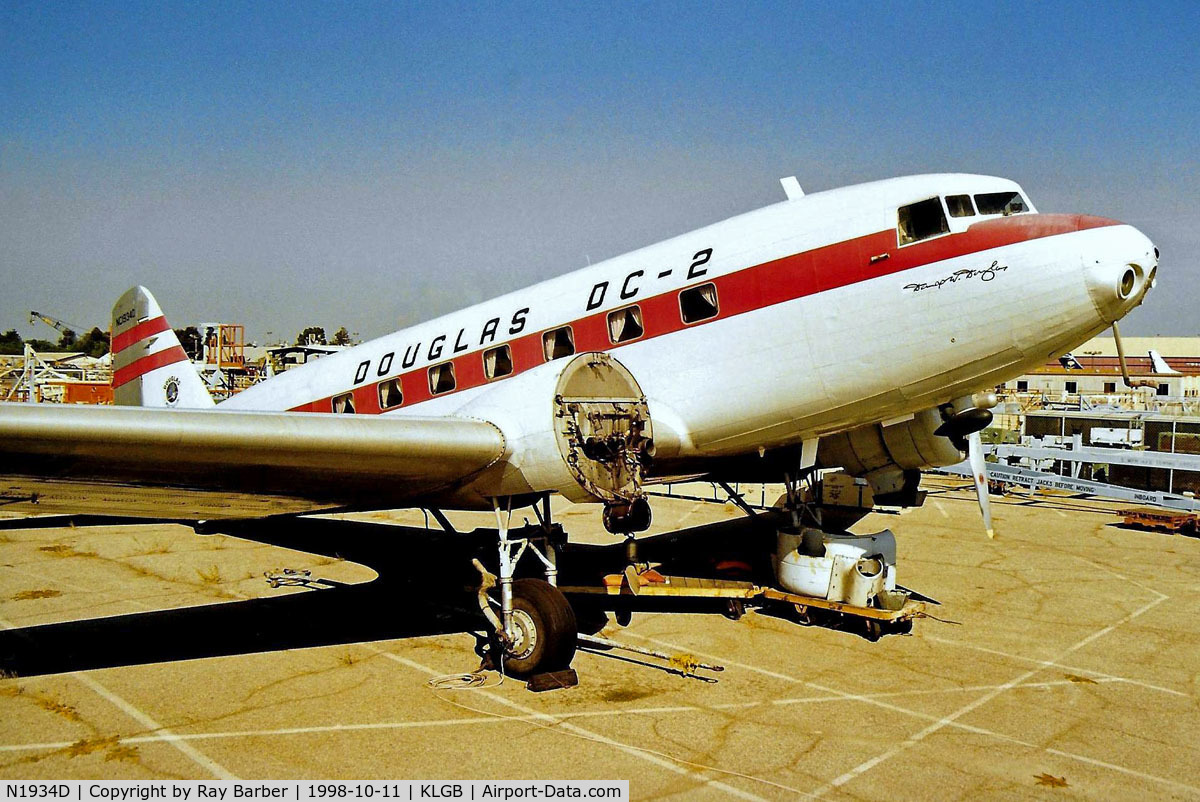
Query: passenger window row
[(624, 325)]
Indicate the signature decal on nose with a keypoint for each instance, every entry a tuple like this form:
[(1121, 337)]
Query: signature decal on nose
[(986, 274)]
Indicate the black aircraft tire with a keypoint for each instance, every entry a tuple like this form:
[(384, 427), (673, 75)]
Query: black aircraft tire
[(542, 612)]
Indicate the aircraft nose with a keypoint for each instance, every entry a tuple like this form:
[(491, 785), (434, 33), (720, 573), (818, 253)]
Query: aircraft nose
[(1121, 265)]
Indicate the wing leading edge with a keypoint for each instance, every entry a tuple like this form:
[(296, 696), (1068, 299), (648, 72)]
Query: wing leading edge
[(193, 464)]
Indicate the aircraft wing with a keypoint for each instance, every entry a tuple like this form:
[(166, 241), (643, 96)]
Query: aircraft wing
[(202, 464)]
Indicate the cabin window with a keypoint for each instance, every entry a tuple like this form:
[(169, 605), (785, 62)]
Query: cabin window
[(698, 303), (1072, 387), (441, 378), (922, 220), (960, 206), (1005, 203), (625, 324), (1022, 386), (497, 362), (1110, 387), (390, 394), (1164, 389), (558, 343), (344, 403)]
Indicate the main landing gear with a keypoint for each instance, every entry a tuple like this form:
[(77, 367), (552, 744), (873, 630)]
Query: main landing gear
[(543, 634), (535, 633)]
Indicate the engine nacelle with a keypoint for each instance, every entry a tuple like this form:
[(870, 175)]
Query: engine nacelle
[(579, 427), (883, 453)]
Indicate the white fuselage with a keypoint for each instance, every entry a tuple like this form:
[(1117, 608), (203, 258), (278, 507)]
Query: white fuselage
[(826, 322)]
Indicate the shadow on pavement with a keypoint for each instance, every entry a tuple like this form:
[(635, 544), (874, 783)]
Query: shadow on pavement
[(425, 586)]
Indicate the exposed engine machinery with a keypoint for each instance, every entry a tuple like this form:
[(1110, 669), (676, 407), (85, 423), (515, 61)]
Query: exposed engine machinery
[(852, 569), (891, 457), (860, 570), (580, 426), (603, 430)]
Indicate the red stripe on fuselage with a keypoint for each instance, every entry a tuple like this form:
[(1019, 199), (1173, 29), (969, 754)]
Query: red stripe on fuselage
[(167, 356), (822, 269), (141, 331)]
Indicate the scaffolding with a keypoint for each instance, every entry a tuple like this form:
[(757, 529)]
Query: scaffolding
[(34, 379), (222, 363)]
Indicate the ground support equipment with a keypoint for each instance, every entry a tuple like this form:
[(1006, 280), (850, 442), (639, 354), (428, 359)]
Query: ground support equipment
[(808, 609)]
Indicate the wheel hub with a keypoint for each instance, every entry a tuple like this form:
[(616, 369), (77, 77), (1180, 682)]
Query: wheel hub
[(524, 635)]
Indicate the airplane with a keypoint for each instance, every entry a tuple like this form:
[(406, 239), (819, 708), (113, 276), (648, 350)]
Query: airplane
[(1159, 365), (861, 328), (1069, 361)]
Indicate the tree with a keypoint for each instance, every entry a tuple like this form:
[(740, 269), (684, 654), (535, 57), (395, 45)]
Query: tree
[(94, 343), (67, 341), (11, 343), (341, 337), (189, 338), (313, 335)]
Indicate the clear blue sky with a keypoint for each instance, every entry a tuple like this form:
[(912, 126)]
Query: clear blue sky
[(372, 164)]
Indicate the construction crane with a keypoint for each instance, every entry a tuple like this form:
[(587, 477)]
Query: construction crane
[(61, 325)]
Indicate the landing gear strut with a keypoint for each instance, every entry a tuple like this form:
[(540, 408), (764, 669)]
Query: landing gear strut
[(536, 630)]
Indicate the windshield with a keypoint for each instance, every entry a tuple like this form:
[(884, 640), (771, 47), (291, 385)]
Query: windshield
[(921, 220), (1000, 203)]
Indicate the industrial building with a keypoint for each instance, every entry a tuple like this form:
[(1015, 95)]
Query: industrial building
[(1093, 378)]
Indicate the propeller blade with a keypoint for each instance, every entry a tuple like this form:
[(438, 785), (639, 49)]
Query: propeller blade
[(979, 474)]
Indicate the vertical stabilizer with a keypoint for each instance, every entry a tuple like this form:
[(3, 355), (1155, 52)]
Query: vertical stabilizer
[(1159, 364), (150, 367)]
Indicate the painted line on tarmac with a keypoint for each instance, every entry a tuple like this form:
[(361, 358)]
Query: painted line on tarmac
[(840, 696), (1087, 672), (559, 724), (1159, 596), (695, 508), (202, 760), (193, 754), (939, 723), (945, 721), (844, 696), (368, 726), (1122, 577), (437, 723)]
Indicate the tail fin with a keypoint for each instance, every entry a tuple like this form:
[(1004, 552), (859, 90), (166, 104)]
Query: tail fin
[(150, 367), (1159, 364), (1069, 361)]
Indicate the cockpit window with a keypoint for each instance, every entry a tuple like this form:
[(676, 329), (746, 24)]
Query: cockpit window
[(921, 220), (1005, 203), (960, 206)]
